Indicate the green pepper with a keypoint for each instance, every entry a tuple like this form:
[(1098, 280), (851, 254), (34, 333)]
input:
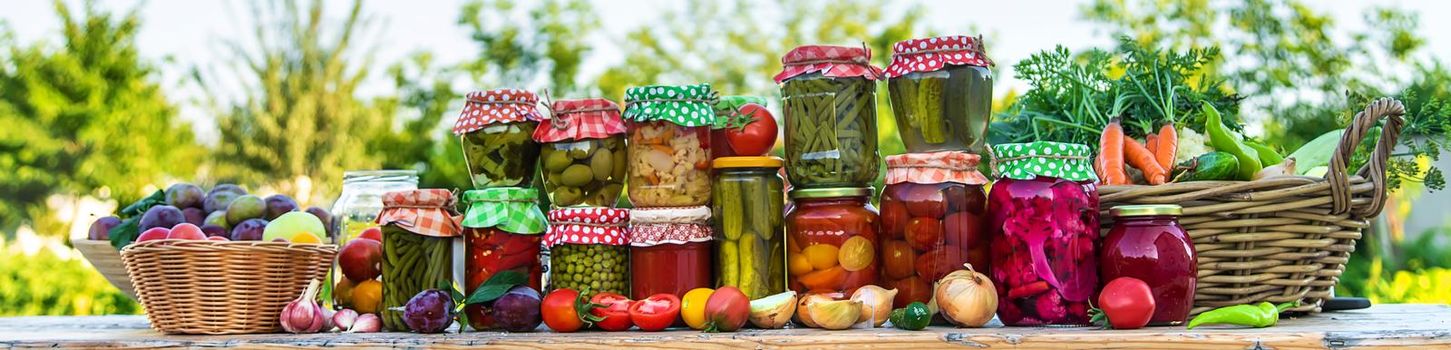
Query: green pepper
[(913, 317), (1260, 315), (1268, 156), (1224, 141)]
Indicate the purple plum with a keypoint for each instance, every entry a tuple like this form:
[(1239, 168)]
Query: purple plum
[(216, 231), (326, 217), (430, 311), (164, 216), (279, 204), (249, 230), (185, 195), (194, 216), (246, 207), (517, 310), (101, 228)]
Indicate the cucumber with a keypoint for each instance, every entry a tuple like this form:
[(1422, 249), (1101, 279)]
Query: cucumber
[(1212, 166)]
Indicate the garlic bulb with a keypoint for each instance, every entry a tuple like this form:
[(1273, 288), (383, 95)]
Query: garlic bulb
[(876, 304), (967, 298), (345, 318), (366, 323), (303, 315)]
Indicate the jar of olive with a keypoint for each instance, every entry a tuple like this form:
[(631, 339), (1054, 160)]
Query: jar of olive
[(583, 150), (496, 128), (589, 249), (502, 233), (669, 250), (419, 227), (829, 98), (941, 92), (669, 144), (749, 232)]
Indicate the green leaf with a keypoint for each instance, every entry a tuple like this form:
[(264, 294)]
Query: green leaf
[(125, 233), (496, 286)]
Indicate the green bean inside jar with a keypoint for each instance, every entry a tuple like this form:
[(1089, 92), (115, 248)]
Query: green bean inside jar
[(669, 147), (589, 250), (829, 99), (418, 231), (941, 93), (583, 153), (496, 128)]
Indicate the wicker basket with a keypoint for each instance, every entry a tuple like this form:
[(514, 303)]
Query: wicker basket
[(211, 287), (107, 260), (1280, 239)]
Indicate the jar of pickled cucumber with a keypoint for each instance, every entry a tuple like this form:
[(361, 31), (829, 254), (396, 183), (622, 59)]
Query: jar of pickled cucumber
[(356, 210), (831, 239), (502, 231), (933, 214), (589, 250), (582, 146), (749, 233), (941, 91), (728, 112), (829, 98), (669, 144), (669, 250), (496, 129), (418, 231)]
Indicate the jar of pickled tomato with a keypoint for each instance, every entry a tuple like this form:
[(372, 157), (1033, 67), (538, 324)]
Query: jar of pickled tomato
[(669, 144), (934, 212), (831, 239), (502, 232), (1147, 243), (496, 129), (670, 251), (1043, 223)]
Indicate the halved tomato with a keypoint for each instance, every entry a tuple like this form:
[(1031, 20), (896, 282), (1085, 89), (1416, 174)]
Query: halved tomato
[(656, 312), (615, 311)]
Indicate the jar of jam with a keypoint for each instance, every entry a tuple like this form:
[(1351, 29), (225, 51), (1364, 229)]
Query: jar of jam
[(831, 238), (589, 249), (1147, 243), (355, 210), (749, 237), (941, 92), (669, 144), (669, 251), (418, 231), (496, 128), (934, 213), (829, 98), (727, 115), (502, 230), (583, 150), (1043, 222)]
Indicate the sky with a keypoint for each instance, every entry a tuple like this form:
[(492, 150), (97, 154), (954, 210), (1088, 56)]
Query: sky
[(190, 33)]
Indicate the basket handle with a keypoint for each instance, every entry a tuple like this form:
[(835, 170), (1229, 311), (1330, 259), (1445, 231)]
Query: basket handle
[(1375, 169)]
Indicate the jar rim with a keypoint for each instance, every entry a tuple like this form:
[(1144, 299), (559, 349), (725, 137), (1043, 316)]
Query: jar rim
[(831, 192), (1146, 210), (768, 162)]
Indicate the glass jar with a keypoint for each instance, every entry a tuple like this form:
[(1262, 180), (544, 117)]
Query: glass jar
[(502, 230), (355, 210), (829, 98), (669, 145), (831, 239), (418, 231), (1147, 243), (728, 109), (941, 92), (749, 237), (588, 250), (496, 128), (1043, 219), (669, 251), (933, 215), (583, 153)]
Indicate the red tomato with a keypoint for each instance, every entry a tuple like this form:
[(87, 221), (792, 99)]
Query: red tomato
[(866, 276), (935, 264), (964, 230), (560, 310), (615, 313), (924, 233), (656, 312), (911, 289), (925, 201), (897, 259), (894, 218), (754, 133), (1127, 302)]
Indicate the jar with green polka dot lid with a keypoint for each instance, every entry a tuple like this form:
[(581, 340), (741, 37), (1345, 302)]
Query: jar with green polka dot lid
[(669, 145), (1043, 224)]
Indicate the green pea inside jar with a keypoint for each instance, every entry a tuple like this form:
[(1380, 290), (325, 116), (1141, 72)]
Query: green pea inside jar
[(496, 129)]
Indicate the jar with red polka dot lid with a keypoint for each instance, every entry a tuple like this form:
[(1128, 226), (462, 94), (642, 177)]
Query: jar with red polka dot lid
[(496, 128), (589, 249), (941, 92), (670, 250)]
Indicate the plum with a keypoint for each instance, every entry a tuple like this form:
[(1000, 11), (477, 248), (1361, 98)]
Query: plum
[(517, 310), (185, 195), (101, 228), (245, 207), (430, 311), (230, 188), (249, 230), (218, 218), (217, 201), (194, 216), (279, 204), (164, 216), (325, 216), (215, 231)]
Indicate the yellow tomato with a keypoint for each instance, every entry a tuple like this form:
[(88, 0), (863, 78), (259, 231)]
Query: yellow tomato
[(367, 296), (343, 291), (821, 256), (692, 307), (856, 253), (799, 265)]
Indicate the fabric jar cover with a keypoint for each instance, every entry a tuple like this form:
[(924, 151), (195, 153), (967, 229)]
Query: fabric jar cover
[(590, 225), (684, 105), (727, 109), (934, 168), (482, 108), (427, 212), (667, 225), (512, 209), (831, 61), (593, 118), (931, 54), (1025, 161)]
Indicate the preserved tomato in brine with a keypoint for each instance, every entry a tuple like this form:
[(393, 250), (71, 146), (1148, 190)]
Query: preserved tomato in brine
[(933, 216), (831, 240)]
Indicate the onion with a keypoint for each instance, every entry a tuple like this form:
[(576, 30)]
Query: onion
[(876, 304), (966, 298)]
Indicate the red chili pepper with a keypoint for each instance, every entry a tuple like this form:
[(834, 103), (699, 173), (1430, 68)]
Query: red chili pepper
[(1028, 290)]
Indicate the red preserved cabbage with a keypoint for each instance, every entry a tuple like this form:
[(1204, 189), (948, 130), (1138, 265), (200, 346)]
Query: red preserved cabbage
[(1044, 261)]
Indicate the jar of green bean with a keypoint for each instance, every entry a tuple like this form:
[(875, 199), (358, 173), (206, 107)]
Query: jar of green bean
[(941, 92), (496, 129), (589, 250), (829, 97), (418, 231)]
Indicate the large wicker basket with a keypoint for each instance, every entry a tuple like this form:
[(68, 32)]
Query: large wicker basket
[(211, 287), (1280, 239), (107, 260)]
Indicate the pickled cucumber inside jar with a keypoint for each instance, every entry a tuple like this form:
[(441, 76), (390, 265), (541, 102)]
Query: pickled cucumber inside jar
[(496, 129), (941, 93)]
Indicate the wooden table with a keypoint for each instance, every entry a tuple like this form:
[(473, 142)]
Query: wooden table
[(1407, 326)]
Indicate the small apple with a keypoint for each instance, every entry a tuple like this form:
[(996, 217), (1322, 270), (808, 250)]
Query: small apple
[(186, 231), (373, 233), (360, 259), (154, 234)]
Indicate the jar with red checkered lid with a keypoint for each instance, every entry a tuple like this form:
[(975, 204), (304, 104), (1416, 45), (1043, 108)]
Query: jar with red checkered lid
[(941, 92), (933, 214), (418, 231), (589, 249), (583, 150), (496, 128), (829, 105)]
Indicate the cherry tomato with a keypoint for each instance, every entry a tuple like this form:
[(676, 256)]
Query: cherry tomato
[(894, 218), (856, 279), (897, 259), (754, 133), (656, 312), (963, 198), (560, 310), (925, 201), (615, 313), (964, 230), (935, 264), (924, 233), (911, 289), (1127, 302)]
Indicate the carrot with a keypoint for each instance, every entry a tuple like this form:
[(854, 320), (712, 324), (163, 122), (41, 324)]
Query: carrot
[(1111, 154), (1152, 142), (1139, 157), (1168, 141)]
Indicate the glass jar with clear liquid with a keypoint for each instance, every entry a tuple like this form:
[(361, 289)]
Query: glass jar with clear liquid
[(355, 211)]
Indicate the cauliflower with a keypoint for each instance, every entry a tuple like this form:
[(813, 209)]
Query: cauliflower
[(1191, 145)]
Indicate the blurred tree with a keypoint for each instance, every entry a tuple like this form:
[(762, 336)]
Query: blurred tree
[(87, 118), (425, 96), (545, 49)]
